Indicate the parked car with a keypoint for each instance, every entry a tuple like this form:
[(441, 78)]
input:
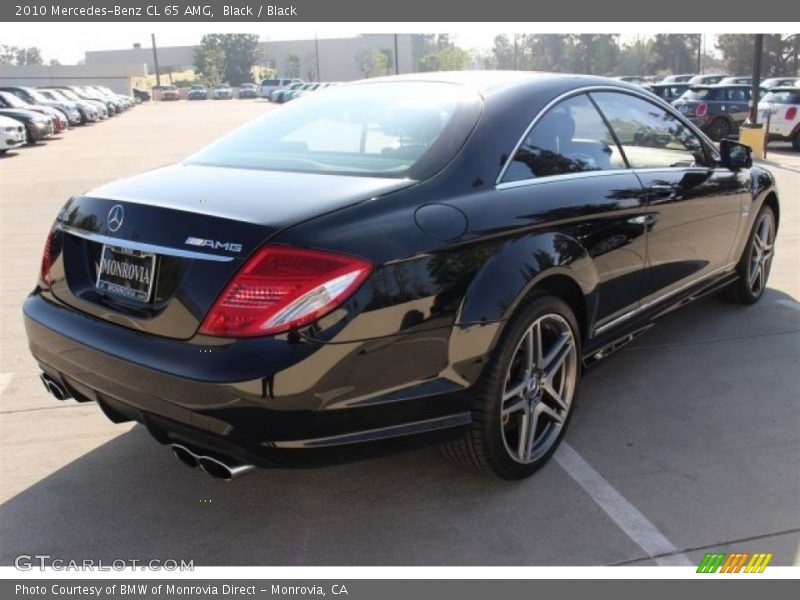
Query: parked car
[(718, 110), (108, 97), (74, 93), (706, 79), (782, 106), (683, 78), (277, 95), (87, 92), (370, 272), (737, 79), (9, 100), (169, 93), (141, 95), (12, 134), (223, 92), (37, 126), (197, 92), (668, 91), (779, 82), (302, 90), (87, 113), (632, 78), (248, 90), (31, 96), (270, 85)]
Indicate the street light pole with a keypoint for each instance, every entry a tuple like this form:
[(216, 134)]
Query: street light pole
[(754, 89), (155, 59), (396, 58)]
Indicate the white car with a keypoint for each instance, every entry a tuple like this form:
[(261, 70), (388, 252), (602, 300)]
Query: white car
[(782, 106), (223, 92), (271, 85), (12, 134)]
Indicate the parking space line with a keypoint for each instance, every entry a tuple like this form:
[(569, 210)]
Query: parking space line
[(623, 513), (789, 303), (5, 379)]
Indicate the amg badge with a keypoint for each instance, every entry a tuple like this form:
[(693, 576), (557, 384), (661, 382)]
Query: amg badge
[(214, 244)]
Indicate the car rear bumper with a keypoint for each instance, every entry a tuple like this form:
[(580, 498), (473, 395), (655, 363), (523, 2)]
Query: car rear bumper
[(225, 400)]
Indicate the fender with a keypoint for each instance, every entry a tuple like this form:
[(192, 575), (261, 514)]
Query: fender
[(502, 284)]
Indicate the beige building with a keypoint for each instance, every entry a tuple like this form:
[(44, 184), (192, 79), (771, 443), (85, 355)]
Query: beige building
[(325, 59), (120, 77)]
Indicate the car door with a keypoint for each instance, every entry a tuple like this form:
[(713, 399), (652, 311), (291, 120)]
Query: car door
[(736, 103), (569, 172), (694, 206)]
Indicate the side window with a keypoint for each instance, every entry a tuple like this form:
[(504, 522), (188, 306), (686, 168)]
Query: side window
[(571, 137), (649, 136)]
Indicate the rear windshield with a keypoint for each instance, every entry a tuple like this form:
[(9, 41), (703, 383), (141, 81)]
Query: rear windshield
[(392, 129), (270, 82), (783, 97)]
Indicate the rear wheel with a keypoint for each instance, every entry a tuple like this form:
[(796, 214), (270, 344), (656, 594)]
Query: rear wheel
[(524, 401), (796, 141), (719, 129), (756, 262)]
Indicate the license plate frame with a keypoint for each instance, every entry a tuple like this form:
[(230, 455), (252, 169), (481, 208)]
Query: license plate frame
[(126, 280)]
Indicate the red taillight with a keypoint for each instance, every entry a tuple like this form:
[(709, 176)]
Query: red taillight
[(702, 109), (791, 113), (47, 261), (280, 288)]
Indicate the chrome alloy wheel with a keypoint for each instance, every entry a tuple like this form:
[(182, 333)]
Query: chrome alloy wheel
[(539, 388), (761, 254)]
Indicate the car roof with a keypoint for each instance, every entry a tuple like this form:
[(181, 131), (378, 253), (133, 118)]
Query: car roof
[(486, 82), (786, 88)]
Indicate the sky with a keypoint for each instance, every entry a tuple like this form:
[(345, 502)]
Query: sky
[(68, 42)]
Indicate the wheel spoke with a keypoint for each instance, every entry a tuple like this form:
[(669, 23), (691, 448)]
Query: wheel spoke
[(537, 343), (558, 397), (552, 413), (565, 346), (531, 432), (522, 442), (512, 407), (516, 390)]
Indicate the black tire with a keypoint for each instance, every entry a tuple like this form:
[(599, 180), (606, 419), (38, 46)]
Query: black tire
[(719, 129), (485, 445), (796, 141), (742, 290)]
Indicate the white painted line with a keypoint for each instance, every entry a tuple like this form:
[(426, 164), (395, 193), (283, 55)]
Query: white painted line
[(5, 379), (623, 513), (789, 303)]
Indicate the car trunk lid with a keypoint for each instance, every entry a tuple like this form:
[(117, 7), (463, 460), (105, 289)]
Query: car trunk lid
[(152, 252)]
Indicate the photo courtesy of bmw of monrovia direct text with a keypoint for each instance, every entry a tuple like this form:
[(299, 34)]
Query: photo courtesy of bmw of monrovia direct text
[(366, 299)]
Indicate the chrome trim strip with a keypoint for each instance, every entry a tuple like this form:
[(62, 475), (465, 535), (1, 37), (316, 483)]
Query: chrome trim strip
[(652, 98), (151, 248), (508, 185), (659, 299)]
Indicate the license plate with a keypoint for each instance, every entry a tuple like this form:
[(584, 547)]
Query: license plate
[(683, 108), (127, 273)]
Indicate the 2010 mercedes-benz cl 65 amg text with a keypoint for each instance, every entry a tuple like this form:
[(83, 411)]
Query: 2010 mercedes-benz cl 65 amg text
[(395, 261)]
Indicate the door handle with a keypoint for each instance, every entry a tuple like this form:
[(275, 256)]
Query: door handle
[(662, 192)]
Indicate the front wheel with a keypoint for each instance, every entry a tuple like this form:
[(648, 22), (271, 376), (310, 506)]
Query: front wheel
[(719, 129), (756, 261), (524, 400)]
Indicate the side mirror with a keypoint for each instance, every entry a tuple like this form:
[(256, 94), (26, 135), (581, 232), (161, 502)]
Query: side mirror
[(735, 156)]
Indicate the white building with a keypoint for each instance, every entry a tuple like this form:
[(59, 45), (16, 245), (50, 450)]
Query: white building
[(325, 59)]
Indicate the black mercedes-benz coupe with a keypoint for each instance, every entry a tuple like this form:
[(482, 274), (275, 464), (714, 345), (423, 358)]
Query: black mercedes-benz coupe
[(395, 261)]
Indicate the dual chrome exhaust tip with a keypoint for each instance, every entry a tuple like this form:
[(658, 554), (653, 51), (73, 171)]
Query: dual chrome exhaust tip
[(215, 467), (54, 387)]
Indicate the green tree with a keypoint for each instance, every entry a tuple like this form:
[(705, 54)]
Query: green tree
[(450, 58), (209, 60), (13, 55), (779, 57), (593, 54), (227, 56), (673, 53), (372, 63), (292, 66), (503, 52)]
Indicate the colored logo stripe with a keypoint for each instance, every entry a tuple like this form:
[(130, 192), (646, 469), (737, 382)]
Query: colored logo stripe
[(734, 563)]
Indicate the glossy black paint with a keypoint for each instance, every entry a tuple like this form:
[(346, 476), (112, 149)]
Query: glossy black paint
[(455, 255)]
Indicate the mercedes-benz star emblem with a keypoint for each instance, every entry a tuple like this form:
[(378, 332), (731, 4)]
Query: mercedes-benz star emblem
[(115, 217)]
